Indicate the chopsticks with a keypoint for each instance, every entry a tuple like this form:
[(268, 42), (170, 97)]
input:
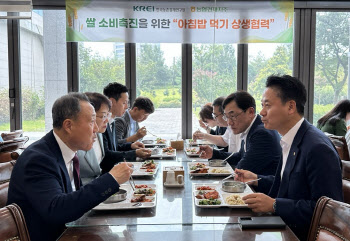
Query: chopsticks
[(131, 179), (151, 133)]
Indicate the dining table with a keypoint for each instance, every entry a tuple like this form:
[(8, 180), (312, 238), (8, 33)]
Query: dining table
[(175, 215)]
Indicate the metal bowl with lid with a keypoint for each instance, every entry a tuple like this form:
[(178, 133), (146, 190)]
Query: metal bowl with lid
[(233, 186), (117, 197), (217, 163)]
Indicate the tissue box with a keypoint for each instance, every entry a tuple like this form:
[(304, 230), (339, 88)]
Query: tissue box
[(179, 170), (178, 145)]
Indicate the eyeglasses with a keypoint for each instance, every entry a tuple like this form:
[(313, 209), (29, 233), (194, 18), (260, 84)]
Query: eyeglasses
[(215, 116), (231, 117), (105, 116)]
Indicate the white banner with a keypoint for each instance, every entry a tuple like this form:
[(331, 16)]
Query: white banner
[(180, 22)]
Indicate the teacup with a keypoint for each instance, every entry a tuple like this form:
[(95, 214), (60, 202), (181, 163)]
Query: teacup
[(170, 177)]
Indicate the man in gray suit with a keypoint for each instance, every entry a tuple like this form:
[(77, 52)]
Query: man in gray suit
[(90, 160), (127, 127)]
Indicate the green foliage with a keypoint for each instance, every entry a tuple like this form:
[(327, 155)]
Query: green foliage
[(4, 106), (320, 110)]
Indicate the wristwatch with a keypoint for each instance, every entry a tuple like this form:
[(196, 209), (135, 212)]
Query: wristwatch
[(274, 206)]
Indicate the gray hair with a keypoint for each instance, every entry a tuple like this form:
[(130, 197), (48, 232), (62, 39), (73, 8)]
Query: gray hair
[(67, 107)]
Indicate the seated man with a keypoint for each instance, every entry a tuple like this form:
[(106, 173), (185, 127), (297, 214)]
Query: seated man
[(229, 140), (115, 152), (310, 167), (260, 150), (127, 126), (45, 181)]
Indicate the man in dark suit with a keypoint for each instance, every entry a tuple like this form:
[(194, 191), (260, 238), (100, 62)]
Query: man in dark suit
[(260, 150), (45, 181), (310, 167), (116, 152)]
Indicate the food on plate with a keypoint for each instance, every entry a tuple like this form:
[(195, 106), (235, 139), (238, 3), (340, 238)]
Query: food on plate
[(198, 165), (148, 165), (192, 150), (146, 191), (150, 170), (140, 198), (218, 170), (200, 170), (234, 199), (191, 141), (205, 188), (208, 195), (141, 186), (160, 141), (209, 202), (169, 150)]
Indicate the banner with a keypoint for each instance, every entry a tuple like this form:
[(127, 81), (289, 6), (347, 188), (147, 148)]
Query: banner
[(179, 22)]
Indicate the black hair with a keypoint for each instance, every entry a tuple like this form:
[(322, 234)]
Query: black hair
[(242, 98), (338, 112), (206, 113), (144, 103), (288, 88), (218, 102), (114, 90), (97, 99)]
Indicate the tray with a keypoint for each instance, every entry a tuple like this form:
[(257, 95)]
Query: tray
[(139, 172), (159, 153), (127, 204), (222, 196), (226, 170)]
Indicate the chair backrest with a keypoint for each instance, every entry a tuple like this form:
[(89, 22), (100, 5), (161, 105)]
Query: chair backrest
[(331, 221), (12, 224), (346, 180), (11, 135), (4, 189), (6, 171), (341, 146)]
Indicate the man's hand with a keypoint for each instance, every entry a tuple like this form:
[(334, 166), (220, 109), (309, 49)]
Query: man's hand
[(198, 135), (245, 176), (137, 145), (141, 132), (121, 172), (143, 153), (205, 152), (259, 202)]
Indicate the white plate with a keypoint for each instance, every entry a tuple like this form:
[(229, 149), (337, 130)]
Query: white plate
[(142, 172), (228, 170), (198, 142), (173, 185), (192, 154), (161, 154), (222, 196), (127, 204)]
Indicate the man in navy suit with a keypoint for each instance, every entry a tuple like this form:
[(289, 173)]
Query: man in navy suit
[(45, 181), (310, 166), (260, 150)]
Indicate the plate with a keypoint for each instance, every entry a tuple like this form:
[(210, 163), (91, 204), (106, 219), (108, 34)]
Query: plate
[(212, 171), (152, 143), (197, 142), (222, 196), (127, 204), (174, 185), (192, 151), (160, 153), (142, 172)]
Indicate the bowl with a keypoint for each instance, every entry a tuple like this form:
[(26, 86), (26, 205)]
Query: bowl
[(156, 151), (147, 141), (233, 186), (217, 163), (117, 197)]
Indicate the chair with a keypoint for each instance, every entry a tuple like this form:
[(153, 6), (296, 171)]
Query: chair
[(331, 221), (341, 146), (12, 224), (4, 189), (346, 180), (6, 171), (11, 135)]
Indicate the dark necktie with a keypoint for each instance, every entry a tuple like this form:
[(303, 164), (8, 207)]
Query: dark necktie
[(76, 172), (242, 145), (113, 135)]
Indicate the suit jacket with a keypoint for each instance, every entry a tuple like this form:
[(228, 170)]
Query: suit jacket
[(313, 170), (123, 128), (40, 185), (89, 165), (263, 151), (115, 153)]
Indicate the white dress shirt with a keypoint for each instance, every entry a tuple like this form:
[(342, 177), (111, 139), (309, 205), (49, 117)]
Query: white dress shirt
[(232, 140), (68, 155), (98, 151), (286, 142), (244, 134), (132, 124)]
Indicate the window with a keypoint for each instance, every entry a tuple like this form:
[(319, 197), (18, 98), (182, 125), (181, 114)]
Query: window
[(264, 60), (158, 77), (214, 74), (331, 61), (100, 64), (43, 69), (4, 79)]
